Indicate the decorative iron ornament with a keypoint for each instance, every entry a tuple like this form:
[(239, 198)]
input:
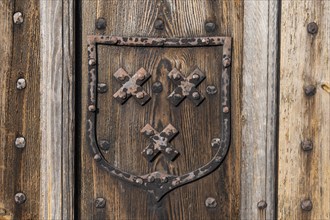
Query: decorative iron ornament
[(158, 183)]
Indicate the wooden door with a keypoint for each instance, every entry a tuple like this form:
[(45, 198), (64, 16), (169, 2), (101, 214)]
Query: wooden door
[(155, 110)]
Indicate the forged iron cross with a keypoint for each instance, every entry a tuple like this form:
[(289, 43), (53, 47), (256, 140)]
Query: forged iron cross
[(186, 87), (160, 142), (131, 86)]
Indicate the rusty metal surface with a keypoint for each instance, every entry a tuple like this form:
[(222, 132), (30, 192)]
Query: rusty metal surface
[(158, 183), (160, 142), (186, 87)]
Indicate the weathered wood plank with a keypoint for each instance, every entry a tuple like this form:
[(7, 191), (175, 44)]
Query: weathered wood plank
[(57, 109), (181, 19), (19, 58), (259, 109), (304, 61)]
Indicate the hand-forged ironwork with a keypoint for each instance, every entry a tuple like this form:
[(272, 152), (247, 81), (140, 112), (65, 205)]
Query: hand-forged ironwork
[(157, 183)]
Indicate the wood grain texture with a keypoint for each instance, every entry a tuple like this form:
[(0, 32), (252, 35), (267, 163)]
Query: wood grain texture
[(19, 58), (304, 61), (57, 109), (259, 109), (182, 19)]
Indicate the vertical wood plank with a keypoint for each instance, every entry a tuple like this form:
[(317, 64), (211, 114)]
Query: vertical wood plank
[(181, 19), (304, 61), (19, 58), (259, 109), (57, 109)]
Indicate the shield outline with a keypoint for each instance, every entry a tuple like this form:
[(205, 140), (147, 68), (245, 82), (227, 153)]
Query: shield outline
[(166, 182)]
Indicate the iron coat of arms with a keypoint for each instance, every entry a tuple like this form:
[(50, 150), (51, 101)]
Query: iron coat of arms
[(160, 103)]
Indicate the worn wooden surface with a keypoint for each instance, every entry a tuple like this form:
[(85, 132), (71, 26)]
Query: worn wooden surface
[(19, 58), (259, 109), (57, 109), (304, 61), (182, 19)]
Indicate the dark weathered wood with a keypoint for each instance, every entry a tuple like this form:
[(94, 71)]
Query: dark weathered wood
[(19, 58), (304, 61), (182, 19), (57, 109), (259, 109)]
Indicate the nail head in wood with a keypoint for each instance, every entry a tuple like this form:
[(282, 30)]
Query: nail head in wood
[(307, 145), (159, 24), (21, 84), (210, 26), (306, 205), (100, 202), (20, 142), (210, 202), (101, 24), (312, 28), (18, 18), (20, 198), (262, 204)]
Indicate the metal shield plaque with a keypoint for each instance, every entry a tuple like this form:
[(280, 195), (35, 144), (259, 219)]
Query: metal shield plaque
[(158, 102)]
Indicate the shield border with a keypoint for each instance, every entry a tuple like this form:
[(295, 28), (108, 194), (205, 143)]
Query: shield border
[(166, 182)]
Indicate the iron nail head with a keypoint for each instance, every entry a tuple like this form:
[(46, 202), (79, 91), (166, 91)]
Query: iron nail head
[(21, 84), (101, 24), (262, 204), (100, 202), (210, 202), (18, 18), (312, 28), (20, 142), (159, 24), (20, 198), (306, 205)]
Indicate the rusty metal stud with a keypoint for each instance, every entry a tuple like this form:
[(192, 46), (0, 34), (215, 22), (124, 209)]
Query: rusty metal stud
[(168, 150), (306, 205), (196, 95), (262, 204), (210, 202), (151, 179), (92, 62), (195, 76), (215, 142), (140, 95), (157, 87), (225, 109), (307, 145), (20, 142), (159, 24), (226, 62), (312, 28), (18, 18), (2, 212), (123, 95), (310, 90), (149, 152), (176, 76), (100, 202), (176, 182), (211, 90), (97, 157), (101, 24), (91, 108), (139, 181), (104, 144), (21, 84), (20, 198), (210, 26), (102, 88), (164, 180)]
